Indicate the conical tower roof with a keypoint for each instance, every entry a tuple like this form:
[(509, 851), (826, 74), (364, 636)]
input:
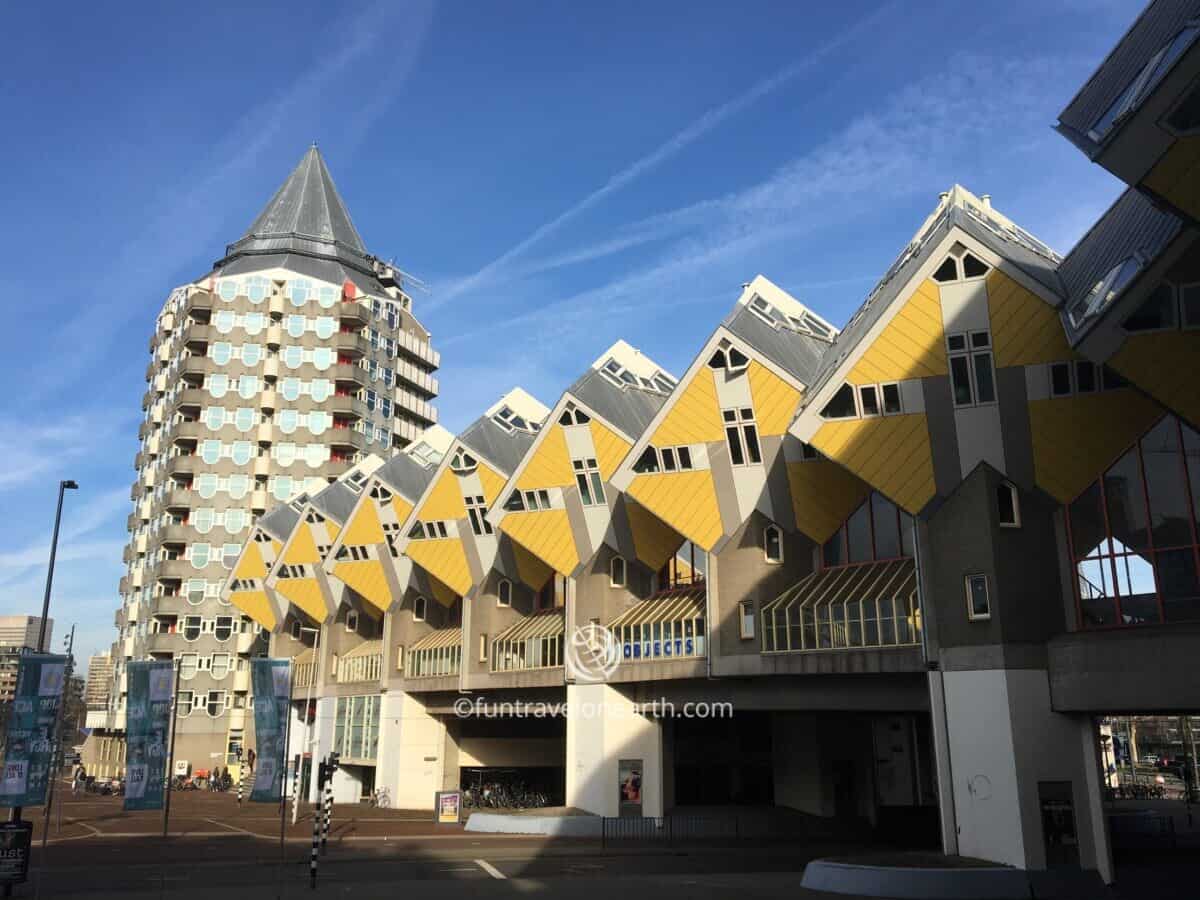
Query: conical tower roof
[(304, 227)]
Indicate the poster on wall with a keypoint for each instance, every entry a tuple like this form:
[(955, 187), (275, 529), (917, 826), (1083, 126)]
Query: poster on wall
[(448, 806), (31, 722), (271, 680), (147, 732), (629, 783)]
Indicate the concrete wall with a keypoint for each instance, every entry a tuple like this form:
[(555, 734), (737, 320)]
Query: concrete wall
[(603, 729), (511, 751), (414, 765)]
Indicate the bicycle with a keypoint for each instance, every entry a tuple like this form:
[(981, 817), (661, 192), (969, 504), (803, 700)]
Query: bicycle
[(379, 798)]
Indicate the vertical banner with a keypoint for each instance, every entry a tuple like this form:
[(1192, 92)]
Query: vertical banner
[(147, 731), (272, 683), (31, 724)]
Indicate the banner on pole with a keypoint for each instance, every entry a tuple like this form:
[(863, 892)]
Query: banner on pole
[(31, 724), (150, 686), (271, 682)]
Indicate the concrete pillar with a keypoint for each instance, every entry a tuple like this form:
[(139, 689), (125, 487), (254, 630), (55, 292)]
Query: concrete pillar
[(413, 770), (1004, 740), (603, 728), (941, 750)]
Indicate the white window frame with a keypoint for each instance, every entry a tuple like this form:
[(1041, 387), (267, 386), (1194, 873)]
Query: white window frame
[(589, 482), (1016, 504), (746, 614), (778, 532), (987, 593), (477, 514), (420, 607), (970, 353), (739, 425), (613, 580), (483, 648)]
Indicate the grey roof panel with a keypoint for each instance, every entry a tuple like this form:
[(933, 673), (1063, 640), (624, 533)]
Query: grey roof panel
[(1133, 224), (404, 474), (1038, 266), (306, 217), (797, 354), (502, 448), (630, 409), (1156, 25), (280, 521), (336, 501)]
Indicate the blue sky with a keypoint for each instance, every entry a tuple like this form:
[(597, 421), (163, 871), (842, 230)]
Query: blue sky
[(561, 175)]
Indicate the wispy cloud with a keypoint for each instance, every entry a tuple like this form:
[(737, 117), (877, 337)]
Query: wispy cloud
[(97, 511), (677, 143), (31, 450), (143, 266), (916, 143)]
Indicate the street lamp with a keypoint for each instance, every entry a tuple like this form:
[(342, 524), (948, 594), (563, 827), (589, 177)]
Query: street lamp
[(63, 486)]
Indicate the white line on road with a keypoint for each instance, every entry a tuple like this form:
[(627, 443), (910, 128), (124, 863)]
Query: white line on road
[(232, 827), (490, 869)]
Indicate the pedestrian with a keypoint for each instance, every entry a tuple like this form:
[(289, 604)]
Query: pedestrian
[(78, 780), (250, 759)]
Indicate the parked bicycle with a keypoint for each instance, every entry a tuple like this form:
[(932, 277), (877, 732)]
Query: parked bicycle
[(379, 798)]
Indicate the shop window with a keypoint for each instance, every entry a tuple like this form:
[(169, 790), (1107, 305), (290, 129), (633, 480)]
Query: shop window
[(978, 603)]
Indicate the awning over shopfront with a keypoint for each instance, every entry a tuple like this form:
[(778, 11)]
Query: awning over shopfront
[(439, 639), (667, 626), (542, 624), (536, 642)]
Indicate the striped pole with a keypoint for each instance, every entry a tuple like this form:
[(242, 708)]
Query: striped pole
[(328, 809), (241, 778), (316, 840)]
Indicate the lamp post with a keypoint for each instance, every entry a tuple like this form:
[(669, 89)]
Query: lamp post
[(63, 486)]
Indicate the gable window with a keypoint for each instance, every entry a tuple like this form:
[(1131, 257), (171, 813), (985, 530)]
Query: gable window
[(1008, 504), (971, 376), (352, 620), (463, 462), (504, 593), (877, 530), (296, 626), (419, 610), (476, 508), (841, 405), (741, 436), (573, 416), (773, 544), (730, 358), (616, 572), (587, 477), (979, 605), (746, 620)]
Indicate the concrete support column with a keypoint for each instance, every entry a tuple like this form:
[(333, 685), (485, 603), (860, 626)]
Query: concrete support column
[(947, 818), (603, 728), (320, 740), (415, 767), (387, 772)]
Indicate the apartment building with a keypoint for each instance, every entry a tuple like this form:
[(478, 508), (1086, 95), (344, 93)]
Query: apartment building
[(18, 635), (98, 684), (296, 358)]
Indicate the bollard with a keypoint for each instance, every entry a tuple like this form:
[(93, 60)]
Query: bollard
[(328, 809), (316, 836)]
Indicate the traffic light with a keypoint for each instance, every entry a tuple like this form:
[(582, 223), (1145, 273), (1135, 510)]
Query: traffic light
[(334, 759)]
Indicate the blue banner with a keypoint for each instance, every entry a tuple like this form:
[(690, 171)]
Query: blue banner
[(271, 681), (31, 726), (150, 686)]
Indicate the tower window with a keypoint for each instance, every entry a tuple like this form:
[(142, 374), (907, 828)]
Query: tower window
[(616, 572), (419, 609), (504, 592), (1008, 504), (979, 605), (773, 544)]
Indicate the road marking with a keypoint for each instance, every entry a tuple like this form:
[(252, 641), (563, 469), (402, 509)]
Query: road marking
[(460, 869), (490, 869), (92, 828), (232, 827)]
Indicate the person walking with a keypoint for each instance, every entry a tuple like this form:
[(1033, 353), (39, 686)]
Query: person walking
[(78, 780)]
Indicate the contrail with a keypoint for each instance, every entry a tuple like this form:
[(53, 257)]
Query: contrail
[(674, 145)]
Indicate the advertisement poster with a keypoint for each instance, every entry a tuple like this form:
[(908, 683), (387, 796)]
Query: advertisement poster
[(629, 782), (15, 838), (147, 732), (31, 724), (449, 807), (271, 681)]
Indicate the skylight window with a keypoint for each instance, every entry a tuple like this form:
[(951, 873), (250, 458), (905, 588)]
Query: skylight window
[(509, 420), (424, 453), (1145, 81), (622, 376), (1104, 291)]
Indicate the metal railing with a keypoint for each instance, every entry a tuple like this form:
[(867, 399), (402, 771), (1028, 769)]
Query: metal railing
[(688, 829)]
